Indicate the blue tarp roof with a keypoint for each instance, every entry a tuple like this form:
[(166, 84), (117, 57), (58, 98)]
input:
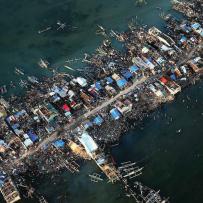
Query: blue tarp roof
[(183, 38), (2, 178), (88, 124), (195, 26), (133, 69), (109, 80), (115, 113), (98, 120), (20, 113), (32, 136), (126, 74), (15, 126), (98, 86), (59, 143), (173, 77), (122, 82)]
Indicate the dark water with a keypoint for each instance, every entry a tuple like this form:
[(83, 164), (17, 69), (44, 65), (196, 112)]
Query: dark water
[(173, 162)]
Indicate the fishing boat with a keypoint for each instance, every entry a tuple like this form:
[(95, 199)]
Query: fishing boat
[(19, 71), (23, 83), (3, 89), (33, 79), (44, 30), (69, 68), (43, 63), (61, 25)]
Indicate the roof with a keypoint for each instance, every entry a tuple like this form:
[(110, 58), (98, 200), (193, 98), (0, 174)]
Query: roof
[(65, 107), (173, 77), (88, 124), (59, 143), (98, 86), (183, 39), (127, 74), (98, 120), (109, 80), (163, 80), (81, 81), (32, 136), (88, 143), (115, 113), (121, 82), (195, 26), (134, 69)]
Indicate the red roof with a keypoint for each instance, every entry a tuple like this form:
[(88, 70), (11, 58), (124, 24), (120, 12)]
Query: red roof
[(163, 80), (73, 103), (65, 107)]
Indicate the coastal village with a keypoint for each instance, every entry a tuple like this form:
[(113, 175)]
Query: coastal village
[(64, 118)]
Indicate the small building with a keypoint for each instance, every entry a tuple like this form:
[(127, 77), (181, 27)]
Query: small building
[(109, 80), (172, 87), (110, 90), (127, 74), (98, 120), (115, 113), (122, 83), (46, 112), (134, 69), (124, 106), (81, 81), (89, 144)]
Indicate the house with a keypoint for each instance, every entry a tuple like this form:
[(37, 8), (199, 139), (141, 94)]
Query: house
[(115, 113)]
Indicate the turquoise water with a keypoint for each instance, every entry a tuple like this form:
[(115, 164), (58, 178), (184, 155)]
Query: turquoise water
[(172, 162)]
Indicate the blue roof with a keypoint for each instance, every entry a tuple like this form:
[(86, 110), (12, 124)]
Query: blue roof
[(122, 82), (133, 69), (32, 136), (98, 86), (98, 120), (88, 124), (126, 74), (195, 26), (15, 126), (109, 80), (183, 38), (115, 113), (59, 143), (173, 77)]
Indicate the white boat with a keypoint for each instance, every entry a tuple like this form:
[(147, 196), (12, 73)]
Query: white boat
[(43, 64), (33, 79), (69, 68), (19, 72)]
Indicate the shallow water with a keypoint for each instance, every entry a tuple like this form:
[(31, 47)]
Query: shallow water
[(172, 161)]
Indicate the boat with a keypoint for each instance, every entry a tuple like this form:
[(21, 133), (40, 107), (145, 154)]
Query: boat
[(44, 30), (33, 79), (23, 83), (19, 71), (61, 25), (69, 68), (3, 89), (43, 63)]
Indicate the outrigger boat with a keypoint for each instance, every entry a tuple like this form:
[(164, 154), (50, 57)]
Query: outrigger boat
[(43, 63), (61, 25), (3, 89), (46, 29), (19, 72), (33, 79), (69, 68)]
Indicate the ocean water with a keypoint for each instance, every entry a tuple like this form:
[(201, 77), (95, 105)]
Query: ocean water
[(172, 161)]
